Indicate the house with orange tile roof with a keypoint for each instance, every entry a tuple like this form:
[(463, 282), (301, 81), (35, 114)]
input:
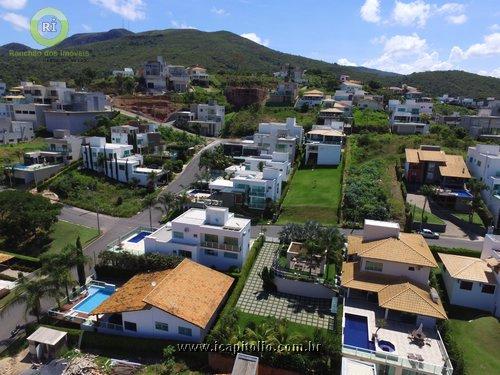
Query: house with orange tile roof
[(475, 282), (178, 304), (385, 278)]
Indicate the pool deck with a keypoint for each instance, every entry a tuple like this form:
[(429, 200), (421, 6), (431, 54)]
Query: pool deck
[(397, 333)]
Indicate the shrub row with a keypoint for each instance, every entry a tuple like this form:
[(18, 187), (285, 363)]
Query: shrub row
[(454, 250)]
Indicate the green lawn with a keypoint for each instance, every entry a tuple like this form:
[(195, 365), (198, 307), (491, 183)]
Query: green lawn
[(431, 218), (244, 320), (478, 341), (465, 218), (65, 233), (314, 194), (10, 154)]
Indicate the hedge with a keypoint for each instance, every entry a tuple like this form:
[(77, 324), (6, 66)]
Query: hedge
[(454, 250)]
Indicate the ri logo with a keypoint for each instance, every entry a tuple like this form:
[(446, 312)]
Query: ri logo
[(49, 26)]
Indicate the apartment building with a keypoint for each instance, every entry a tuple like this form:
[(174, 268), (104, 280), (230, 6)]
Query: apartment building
[(208, 118), (386, 279), (213, 237), (117, 161), (475, 282), (12, 132), (483, 162), (279, 137), (324, 146)]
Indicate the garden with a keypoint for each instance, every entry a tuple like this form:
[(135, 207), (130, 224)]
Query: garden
[(313, 194), (370, 120)]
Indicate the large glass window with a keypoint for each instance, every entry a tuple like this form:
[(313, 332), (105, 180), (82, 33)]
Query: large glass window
[(373, 266), (185, 254), (178, 235), (488, 289), (211, 238), (129, 326), (466, 285), (185, 331), (161, 326), (231, 241)]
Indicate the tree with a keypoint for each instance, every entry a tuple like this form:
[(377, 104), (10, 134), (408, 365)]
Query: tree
[(80, 260), (152, 180), (427, 191), (475, 187), (25, 217), (312, 249), (168, 201), (57, 267), (149, 201)]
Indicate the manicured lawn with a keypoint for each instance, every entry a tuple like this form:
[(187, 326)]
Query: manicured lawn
[(92, 192), (244, 319), (65, 233), (330, 272), (465, 218), (478, 341), (431, 218), (314, 194)]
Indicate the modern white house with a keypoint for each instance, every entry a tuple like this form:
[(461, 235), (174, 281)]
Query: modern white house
[(213, 237), (208, 117), (155, 75), (178, 304), (386, 279), (278, 160), (475, 282), (141, 136), (126, 72), (409, 110), (280, 137), (12, 132), (177, 78), (312, 98), (117, 161), (324, 146), (483, 161)]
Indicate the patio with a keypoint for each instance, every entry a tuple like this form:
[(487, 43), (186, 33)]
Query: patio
[(132, 242)]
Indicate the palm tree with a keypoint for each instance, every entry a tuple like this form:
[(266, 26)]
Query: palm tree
[(30, 292), (57, 267), (427, 191), (168, 200), (149, 201), (152, 180), (313, 249), (475, 187)]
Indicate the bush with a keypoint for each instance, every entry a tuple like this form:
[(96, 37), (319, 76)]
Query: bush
[(454, 250)]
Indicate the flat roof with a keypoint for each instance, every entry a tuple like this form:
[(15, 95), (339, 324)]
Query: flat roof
[(47, 336)]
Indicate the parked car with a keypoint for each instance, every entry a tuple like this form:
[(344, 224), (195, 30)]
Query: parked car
[(427, 233)]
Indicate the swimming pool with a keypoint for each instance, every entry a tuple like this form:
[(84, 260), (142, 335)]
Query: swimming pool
[(97, 295), (139, 237), (356, 332)]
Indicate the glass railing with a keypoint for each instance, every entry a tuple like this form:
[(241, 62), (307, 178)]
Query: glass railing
[(220, 246), (395, 360)]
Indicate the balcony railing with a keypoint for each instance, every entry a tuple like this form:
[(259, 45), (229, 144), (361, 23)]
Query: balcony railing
[(220, 246), (398, 361)]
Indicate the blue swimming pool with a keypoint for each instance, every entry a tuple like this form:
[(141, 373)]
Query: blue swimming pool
[(97, 295), (462, 193), (139, 237), (356, 332)]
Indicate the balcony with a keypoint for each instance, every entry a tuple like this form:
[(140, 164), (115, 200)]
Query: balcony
[(221, 246)]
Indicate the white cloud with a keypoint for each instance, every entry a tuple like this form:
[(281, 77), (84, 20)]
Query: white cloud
[(255, 38), (492, 73), (407, 54), (490, 46), (457, 20), (219, 11), (86, 27), (453, 12), (17, 21), (495, 27), (346, 62), (132, 10), (414, 13), (370, 11), (181, 25), (13, 4)]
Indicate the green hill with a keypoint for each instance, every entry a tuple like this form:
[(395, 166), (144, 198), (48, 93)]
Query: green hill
[(217, 51)]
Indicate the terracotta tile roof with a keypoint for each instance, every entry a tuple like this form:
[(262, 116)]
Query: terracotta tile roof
[(410, 298), (417, 156), (468, 268), (314, 93), (455, 167), (412, 156), (191, 292), (409, 248), (394, 293), (5, 257), (130, 296)]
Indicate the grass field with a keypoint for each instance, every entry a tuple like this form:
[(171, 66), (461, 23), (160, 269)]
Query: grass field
[(465, 218), (431, 218), (65, 233), (478, 340), (314, 194)]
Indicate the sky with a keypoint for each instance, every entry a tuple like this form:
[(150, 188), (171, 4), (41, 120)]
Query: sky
[(401, 36)]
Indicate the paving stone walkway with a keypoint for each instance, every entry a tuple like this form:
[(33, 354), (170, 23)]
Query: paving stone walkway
[(254, 300)]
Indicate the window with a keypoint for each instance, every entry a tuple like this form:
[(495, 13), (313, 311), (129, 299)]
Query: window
[(479, 163), (231, 241), (129, 326), (231, 255), (211, 238), (178, 234), (121, 167), (161, 326), (185, 331), (488, 289), (466, 285), (210, 252), (471, 159), (185, 254), (411, 268), (373, 266)]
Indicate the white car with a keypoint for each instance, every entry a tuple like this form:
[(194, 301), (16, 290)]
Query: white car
[(427, 233)]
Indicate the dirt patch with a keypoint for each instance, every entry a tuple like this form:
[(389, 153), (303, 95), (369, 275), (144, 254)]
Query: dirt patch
[(158, 107), (17, 364)]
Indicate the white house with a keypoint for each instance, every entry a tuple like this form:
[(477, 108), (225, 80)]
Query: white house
[(324, 146), (483, 162), (12, 132), (475, 282), (199, 75), (209, 117), (155, 75), (126, 72), (213, 237), (141, 136), (386, 277), (278, 160), (258, 187), (280, 137), (351, 86), (410, 110), (117, 161), (178, 304), (312, 98)]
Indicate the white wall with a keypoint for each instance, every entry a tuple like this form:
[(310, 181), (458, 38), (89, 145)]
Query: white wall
[(329, 154), (302, 288), (401, 269)]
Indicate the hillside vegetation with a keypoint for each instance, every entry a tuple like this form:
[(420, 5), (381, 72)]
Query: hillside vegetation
[(219, 51)]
